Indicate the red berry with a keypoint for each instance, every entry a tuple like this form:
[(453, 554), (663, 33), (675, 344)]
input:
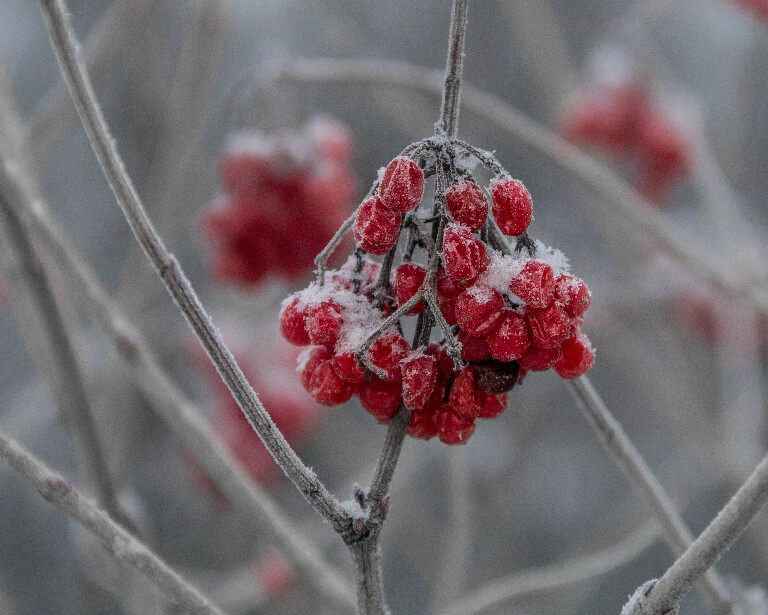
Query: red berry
[(510, 339), (573, 294), (381, 398), (464, 256), (293, 326), (312, 357), (402, 185), (462, 397), (419, 378), (377, 227), (326, 386), (549, 326), (535, 284), (576, 358), (539, 359), (447, 307), (478, 309), (348, 368), (423, 423), (387, 352), (324, 322), (491, 405), (512, 206), (408, 279), (467, 204), (452, 428), (446, 286), (473, 347)]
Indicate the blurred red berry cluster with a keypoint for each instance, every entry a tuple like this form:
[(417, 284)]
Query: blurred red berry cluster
[(283, 197), (621, 120), (758, 8)]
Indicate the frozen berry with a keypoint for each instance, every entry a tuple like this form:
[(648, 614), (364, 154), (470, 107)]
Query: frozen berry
[(573, 294), (510, 339), (549, 326), (495, 376), (377, 227), (293, 327), (402, 185), (539, 359), (473, 347), (576, 358), (324, 322), (423, 423), (308, 362), (535, 284), (467, 204), (462, 396), (453, 428), (326, 386), (387, 352), (512, 206), (492, 405), (464, 256), (478, 309), (408, 279), (419, 378), (380, 398), (348, 368)]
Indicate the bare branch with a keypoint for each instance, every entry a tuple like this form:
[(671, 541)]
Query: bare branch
[(176, 282)]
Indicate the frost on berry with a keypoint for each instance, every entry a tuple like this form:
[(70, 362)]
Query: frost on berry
[(467, 204), (473, 347), (324, 322), (573, 294), (402, 184), (452, 427), (478, 309), (326, 387), (348, 368), (308, 362), (539, 359), (492, 405), (462, 398), (387, 352), (408, 279), (419, 379), (549, 326), (535, 284), (512, 206), (381, 398), (293, 326), (376, 226), (465, 257), (576, 357), (510, 339)]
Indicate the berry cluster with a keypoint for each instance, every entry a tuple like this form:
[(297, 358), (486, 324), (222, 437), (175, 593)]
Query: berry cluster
[(498, 313), (622, 121), (758, 8), (283, 199)]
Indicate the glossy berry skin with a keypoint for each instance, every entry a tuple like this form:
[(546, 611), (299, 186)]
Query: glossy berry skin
[(348, 368), (573, 294), (402, 185), (408, 279), (549, 326), (387, 352), (381, 398), (462, 397), (512, 206), (510, 339), (464, 256), (576, 358), (377, 227), (473, 347), (324, 322), (327, 388), (539, 359), (315, 357), (419, 379), (467, 204), (293, 326), (453, 428), (478, 309), (535, 284)]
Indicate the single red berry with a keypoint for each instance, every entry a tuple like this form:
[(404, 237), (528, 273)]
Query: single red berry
[(444, 364), (326, 386), (453, 428), (348, 368), (408, 279), (447, 307), (463, 397), (576, 358), (478, 309), (308, 362), (538, 359), (491, 404), (494, 376), (467, 204), (387, 352), (402, 185), (381, 398), (535, 284), (423, 423), (324, 322), (377, 227), (512, 206), (549, 326), (274, 574), (446, 286), (464, 256), (510, 339), (419, 379), (293, 326), (573, 294), (473, 347)]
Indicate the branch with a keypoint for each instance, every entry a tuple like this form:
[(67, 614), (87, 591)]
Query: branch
[(118, 541), (709, 547), (176, 282), (627, 457)]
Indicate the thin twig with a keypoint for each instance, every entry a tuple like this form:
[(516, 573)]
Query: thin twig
[(711, 544), (117, 540), (170, 403), (169, 270), (627, 457)]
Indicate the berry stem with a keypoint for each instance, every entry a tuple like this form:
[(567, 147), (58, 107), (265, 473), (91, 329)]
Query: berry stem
[(449, 111)]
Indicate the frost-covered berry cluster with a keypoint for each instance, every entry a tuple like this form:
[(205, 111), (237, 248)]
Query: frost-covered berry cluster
[(486, 312), (283, 198)]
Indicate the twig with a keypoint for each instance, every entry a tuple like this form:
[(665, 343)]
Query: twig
[(627, 457), (118, 541), (575, 571), (720, 534), (170, 403), (449, 109), (176, 282)]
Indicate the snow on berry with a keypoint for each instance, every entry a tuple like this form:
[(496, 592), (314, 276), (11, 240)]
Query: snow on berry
[(512, 206), (348, 368), (467, 204), (324, 322), (462, 397), (573, 294), (535, 284), (293, 324), (376, 226), (478, 308), (402, 184)]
